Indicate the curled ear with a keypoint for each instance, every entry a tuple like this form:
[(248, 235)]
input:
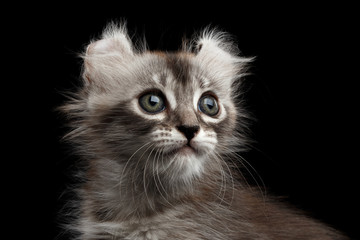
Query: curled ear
[(113, 48), (217, 53), (114, 40), (212, 43)]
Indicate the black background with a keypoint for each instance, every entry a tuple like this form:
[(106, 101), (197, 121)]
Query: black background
[(302, 91)]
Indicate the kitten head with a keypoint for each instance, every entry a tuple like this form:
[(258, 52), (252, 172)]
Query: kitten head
[(156, 113)]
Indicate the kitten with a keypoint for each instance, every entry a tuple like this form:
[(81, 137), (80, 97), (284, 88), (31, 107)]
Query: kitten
[(160, 134)]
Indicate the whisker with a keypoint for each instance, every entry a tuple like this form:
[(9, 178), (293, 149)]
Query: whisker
[(223, 187), (231, 158), (171, 161), (224, 177), (261, 187), (155, 169), (159, 180), (133, 182), (144, 181), (135, 171), (127, 162)]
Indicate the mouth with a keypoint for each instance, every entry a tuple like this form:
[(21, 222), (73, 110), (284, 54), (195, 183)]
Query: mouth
[(185, 150)]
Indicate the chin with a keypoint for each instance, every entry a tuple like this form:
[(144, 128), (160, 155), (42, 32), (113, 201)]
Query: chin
[(187, 164)]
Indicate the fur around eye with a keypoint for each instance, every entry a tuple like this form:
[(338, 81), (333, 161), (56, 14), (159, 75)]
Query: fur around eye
[(152, 102), (208, 105)]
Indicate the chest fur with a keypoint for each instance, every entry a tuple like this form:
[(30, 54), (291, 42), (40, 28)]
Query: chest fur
[(173, 224)]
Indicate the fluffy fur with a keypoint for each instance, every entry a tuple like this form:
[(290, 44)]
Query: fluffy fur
[(145, 177)]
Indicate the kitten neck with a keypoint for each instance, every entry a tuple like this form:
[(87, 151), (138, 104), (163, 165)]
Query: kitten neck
[(131, 198)]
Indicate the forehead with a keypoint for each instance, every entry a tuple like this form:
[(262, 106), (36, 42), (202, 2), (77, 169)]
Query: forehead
[(181, 68), (178, 72)]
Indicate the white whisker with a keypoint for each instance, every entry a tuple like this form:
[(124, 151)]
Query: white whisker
[(159, 180), (261, 187), (224, 177), (126, 164), (144, 180), (134, 181)]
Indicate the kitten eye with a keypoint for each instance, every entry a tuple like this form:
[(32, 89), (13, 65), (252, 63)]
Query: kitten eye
[(208, 105), (152, 102)]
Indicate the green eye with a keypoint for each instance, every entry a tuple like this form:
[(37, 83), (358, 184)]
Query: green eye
[(208, 105), (152, 102)]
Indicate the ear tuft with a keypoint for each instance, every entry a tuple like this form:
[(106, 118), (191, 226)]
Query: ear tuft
[(104, 57), (115, 41), (218, 44), (218, 54)]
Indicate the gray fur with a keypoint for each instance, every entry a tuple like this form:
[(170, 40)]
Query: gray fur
[(135, 183)]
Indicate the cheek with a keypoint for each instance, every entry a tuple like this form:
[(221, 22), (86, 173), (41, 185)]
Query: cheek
[(130, 124), (205, 141), (119, 127), (227, 125)]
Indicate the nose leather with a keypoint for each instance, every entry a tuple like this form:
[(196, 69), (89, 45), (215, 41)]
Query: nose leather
[(188, 131)]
